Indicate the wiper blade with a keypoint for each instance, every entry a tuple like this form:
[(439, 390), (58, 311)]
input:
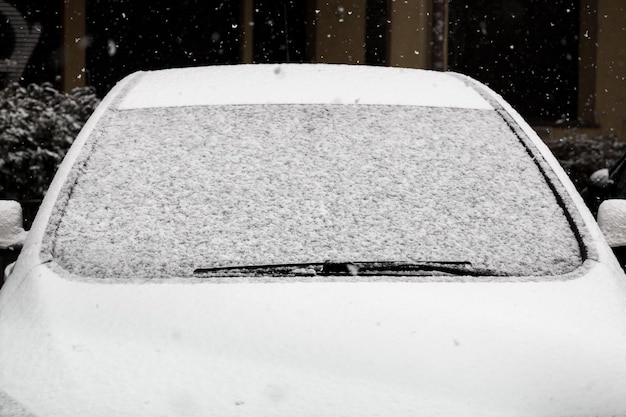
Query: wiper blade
[(461, 268), (362, 268), (281, 269)]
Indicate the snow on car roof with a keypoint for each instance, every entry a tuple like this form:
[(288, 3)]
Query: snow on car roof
[(301, 83)]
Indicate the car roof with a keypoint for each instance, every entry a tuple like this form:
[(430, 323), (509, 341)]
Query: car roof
[(298, 84)]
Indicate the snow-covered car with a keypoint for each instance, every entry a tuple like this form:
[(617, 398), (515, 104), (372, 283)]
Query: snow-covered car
[(282, 240)]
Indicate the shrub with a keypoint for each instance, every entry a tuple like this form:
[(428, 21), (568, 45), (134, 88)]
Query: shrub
[(37, 126)]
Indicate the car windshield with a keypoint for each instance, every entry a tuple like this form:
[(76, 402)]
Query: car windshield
[(161, 192)]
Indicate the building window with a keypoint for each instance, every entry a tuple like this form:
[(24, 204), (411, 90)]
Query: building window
[(30, 42)]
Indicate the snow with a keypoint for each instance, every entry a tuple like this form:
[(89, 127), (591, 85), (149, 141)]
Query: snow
[(10, 408), (549, 348), (284, 84), (11, 231), (612, 221), (168, 190)]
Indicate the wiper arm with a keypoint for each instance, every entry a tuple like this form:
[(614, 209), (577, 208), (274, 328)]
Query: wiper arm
[(364, 268)]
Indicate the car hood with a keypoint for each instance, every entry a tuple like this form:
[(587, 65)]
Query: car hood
[(197, 348)]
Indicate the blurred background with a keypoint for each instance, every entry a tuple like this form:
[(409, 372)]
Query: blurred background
[(560, 63)]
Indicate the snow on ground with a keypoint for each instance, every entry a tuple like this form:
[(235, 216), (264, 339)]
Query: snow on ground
[(168, 190)]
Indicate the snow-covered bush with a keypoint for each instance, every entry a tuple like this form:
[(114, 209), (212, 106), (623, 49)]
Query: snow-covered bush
[(581, 155), (37, 125)]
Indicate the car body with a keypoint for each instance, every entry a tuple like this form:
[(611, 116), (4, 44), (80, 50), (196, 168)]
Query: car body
[(311, 240)]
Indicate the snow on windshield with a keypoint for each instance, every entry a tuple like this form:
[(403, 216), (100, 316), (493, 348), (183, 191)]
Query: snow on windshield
[(168, 190)]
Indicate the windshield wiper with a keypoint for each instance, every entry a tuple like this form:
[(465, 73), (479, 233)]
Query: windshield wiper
[(272, 269), (365, 268)]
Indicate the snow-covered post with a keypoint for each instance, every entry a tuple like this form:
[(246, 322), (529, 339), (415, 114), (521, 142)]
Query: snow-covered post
[(12, 233)]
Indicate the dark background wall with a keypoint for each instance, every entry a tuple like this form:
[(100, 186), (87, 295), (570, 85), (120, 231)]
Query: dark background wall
[(525, 49), (126, 36)]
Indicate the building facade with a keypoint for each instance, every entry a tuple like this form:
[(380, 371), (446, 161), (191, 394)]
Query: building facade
[(562, 64)]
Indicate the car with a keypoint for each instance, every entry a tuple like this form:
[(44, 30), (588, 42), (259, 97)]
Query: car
[(608, 184), (311, 239), (605, 184)]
